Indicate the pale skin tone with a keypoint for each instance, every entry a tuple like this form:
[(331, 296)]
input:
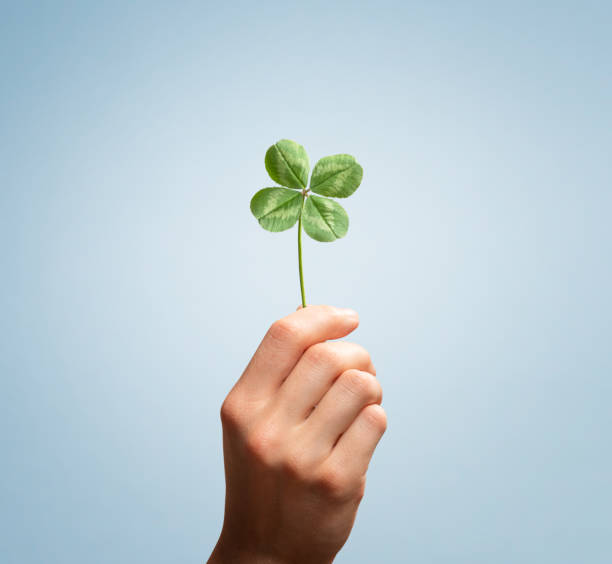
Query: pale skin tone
[(299, 429)]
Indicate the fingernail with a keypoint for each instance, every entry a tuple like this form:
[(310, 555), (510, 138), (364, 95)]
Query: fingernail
[(347, 312)]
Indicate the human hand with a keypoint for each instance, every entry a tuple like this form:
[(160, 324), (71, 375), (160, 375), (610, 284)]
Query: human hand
[(295, 474)]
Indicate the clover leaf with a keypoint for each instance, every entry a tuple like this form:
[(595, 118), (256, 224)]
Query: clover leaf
[(279, 208)]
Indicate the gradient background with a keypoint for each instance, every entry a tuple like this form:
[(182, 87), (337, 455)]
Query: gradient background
[(135, 284)]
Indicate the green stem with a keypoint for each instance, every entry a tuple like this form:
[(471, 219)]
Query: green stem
[(300, 252)]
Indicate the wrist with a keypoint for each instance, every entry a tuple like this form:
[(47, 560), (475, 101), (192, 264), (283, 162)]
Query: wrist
[(227, 552)]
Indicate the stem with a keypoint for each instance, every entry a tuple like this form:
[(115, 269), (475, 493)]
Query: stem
[(300, 251)]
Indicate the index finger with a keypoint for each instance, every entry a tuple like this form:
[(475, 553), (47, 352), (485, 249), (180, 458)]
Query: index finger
[(286, 341)]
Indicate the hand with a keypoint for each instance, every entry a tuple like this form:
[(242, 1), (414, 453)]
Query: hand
[(299, 429)]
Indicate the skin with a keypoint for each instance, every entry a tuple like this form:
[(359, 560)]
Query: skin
[(299, 429)]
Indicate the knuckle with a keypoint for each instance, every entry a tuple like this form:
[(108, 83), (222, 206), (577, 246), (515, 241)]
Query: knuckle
[(335, 484), (296, 466), (323, 354), (376, 417), (262, 443), (360, 488), (236, 410), (363, 354), (230, 413), (361, 384), (284, 331)]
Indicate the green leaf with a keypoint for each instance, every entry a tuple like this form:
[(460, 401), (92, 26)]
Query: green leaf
[(276, 209), (287, 163), (337, 176), (323, 219)]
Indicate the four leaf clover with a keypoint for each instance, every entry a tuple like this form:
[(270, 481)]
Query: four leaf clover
[(279, 208)]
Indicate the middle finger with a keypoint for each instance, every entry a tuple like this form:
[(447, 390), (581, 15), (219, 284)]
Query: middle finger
[(315, 373)]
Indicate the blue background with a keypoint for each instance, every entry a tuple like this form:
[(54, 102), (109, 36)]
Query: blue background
[(135, 284)]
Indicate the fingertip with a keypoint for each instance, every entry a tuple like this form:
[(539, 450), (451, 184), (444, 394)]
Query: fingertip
[(345, 312), (349, 312)]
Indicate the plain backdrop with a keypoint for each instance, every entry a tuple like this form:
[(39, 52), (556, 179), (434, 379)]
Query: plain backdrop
[(135, 284)]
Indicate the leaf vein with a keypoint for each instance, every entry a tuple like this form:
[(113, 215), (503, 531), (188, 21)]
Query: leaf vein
[(289, 166), (332, 175), (279, 206), (323, 218)]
